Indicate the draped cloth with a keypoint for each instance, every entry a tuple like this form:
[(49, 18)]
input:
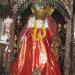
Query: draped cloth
[(35, 56)]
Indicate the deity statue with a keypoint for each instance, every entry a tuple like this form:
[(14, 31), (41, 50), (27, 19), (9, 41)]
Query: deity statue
[(39, 43)]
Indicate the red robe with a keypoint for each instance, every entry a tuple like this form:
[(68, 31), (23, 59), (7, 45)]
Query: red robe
[(36, 56)]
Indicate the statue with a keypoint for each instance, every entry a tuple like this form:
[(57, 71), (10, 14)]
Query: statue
[(37, 55)]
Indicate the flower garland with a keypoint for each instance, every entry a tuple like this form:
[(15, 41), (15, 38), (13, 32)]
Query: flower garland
[(41, 35)]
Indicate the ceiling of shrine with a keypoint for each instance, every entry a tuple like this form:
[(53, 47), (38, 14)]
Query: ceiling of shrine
[(14, 3)]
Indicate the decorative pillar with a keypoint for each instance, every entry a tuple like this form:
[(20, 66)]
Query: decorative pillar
[(72, 71), (69, 6)]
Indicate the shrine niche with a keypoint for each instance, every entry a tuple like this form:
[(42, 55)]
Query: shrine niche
[(61, 15), (22, 12)]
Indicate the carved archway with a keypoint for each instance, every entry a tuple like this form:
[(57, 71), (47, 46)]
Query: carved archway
[(21, 5), (57, 4)]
